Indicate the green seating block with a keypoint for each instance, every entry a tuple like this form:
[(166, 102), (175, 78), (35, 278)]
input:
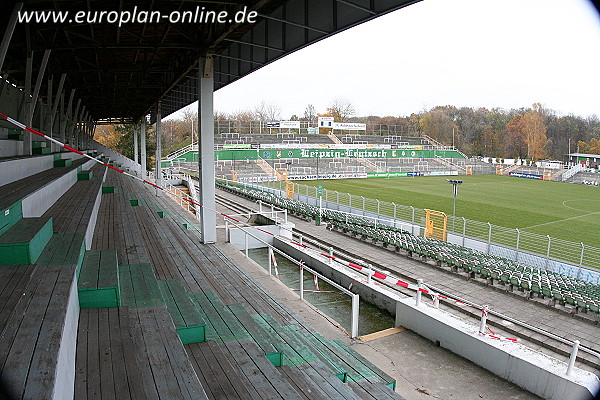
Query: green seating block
[(15, 134), (10, 216), (24, 241), (108, 189), (134, 202), (98, 283), (85, 175), (161, 214), (187, 318), (41, 150), (63, 163), (139, 287)]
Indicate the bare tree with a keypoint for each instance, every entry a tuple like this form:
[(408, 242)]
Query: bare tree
[(267, 112), (310, 113), (341, 109)]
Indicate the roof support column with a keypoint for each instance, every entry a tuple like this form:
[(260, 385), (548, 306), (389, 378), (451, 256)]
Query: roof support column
[(66, 116), (135, 143), (158, 166), (206, 149), (73, 132), (26, 108), (143, 145), (10, 28), (59, 100)]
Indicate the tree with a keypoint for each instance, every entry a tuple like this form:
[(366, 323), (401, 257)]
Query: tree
[(267, 112), (514, 143), (310, 113), (438, 125), (341, 109), (534, 134)]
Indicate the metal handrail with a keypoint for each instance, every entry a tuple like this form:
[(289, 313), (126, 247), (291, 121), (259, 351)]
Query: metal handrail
[(369, 269)]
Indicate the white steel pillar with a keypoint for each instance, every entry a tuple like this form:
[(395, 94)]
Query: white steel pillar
[(25, 110), (143, 145), (158, 167), (135, 143), (206, 149)]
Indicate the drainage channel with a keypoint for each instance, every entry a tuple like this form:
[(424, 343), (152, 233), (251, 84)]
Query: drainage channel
[(325, 297)]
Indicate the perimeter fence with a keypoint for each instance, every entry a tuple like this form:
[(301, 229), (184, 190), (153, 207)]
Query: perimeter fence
[(573, 259)]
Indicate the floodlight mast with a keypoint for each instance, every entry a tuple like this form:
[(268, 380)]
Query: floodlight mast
[(455, 184)]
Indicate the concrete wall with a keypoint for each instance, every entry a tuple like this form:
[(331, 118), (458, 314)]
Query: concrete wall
[(38, 202), (64, 383), (127, 163), (374, 294), (13, 170), (236, 236), (532, 370)]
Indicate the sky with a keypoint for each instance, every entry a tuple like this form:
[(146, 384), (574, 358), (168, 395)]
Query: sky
[(474, 53)]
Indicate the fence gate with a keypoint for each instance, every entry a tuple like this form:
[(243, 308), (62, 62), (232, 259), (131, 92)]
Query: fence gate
[(289, 189), (435, 224)]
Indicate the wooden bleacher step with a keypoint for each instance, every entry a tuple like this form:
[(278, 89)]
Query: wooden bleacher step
[(188, 320), (64, 249), (294, 355), (24, 241), (222, 325), (259, 335), (139, 286), (324, 354), (98, 283)]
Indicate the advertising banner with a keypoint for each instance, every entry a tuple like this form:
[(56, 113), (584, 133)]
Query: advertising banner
[(349, 126), (522, 175)]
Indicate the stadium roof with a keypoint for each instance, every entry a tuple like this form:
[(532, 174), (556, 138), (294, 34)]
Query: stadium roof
[(583, 155), (120, 72)]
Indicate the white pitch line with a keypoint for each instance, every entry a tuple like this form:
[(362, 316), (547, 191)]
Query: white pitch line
[(560, 220)]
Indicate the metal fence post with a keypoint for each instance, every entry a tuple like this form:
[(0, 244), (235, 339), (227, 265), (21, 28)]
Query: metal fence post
[(436, 300), (418, 297), (363, 204), (573, 357), (337, 199), (270, 260), (547, 253), (355, 314), (581, 257), (300, 241), (331, 254), (464, 230), (394, 209), (484, 314), (246, 241), (489, 243), (370, 273), (518, 242), (301, 281), (378, 207)]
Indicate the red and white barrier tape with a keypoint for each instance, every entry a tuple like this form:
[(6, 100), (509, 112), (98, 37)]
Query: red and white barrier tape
[(71, 149)]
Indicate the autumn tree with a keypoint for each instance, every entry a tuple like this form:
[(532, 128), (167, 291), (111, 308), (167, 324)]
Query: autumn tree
[(438, 125), (267, 112), (534, 134), (514, 143)]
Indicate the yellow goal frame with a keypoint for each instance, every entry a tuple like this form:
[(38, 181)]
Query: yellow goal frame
[(436, 223)]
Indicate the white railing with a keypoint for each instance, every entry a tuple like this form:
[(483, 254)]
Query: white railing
[(572, 171), (189, 147), (272, 249), (368, 270)]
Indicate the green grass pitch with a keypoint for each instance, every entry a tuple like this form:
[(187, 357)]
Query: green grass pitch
[(561, 210)]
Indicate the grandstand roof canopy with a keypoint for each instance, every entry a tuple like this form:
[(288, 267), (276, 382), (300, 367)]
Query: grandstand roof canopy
[(120, 72)]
